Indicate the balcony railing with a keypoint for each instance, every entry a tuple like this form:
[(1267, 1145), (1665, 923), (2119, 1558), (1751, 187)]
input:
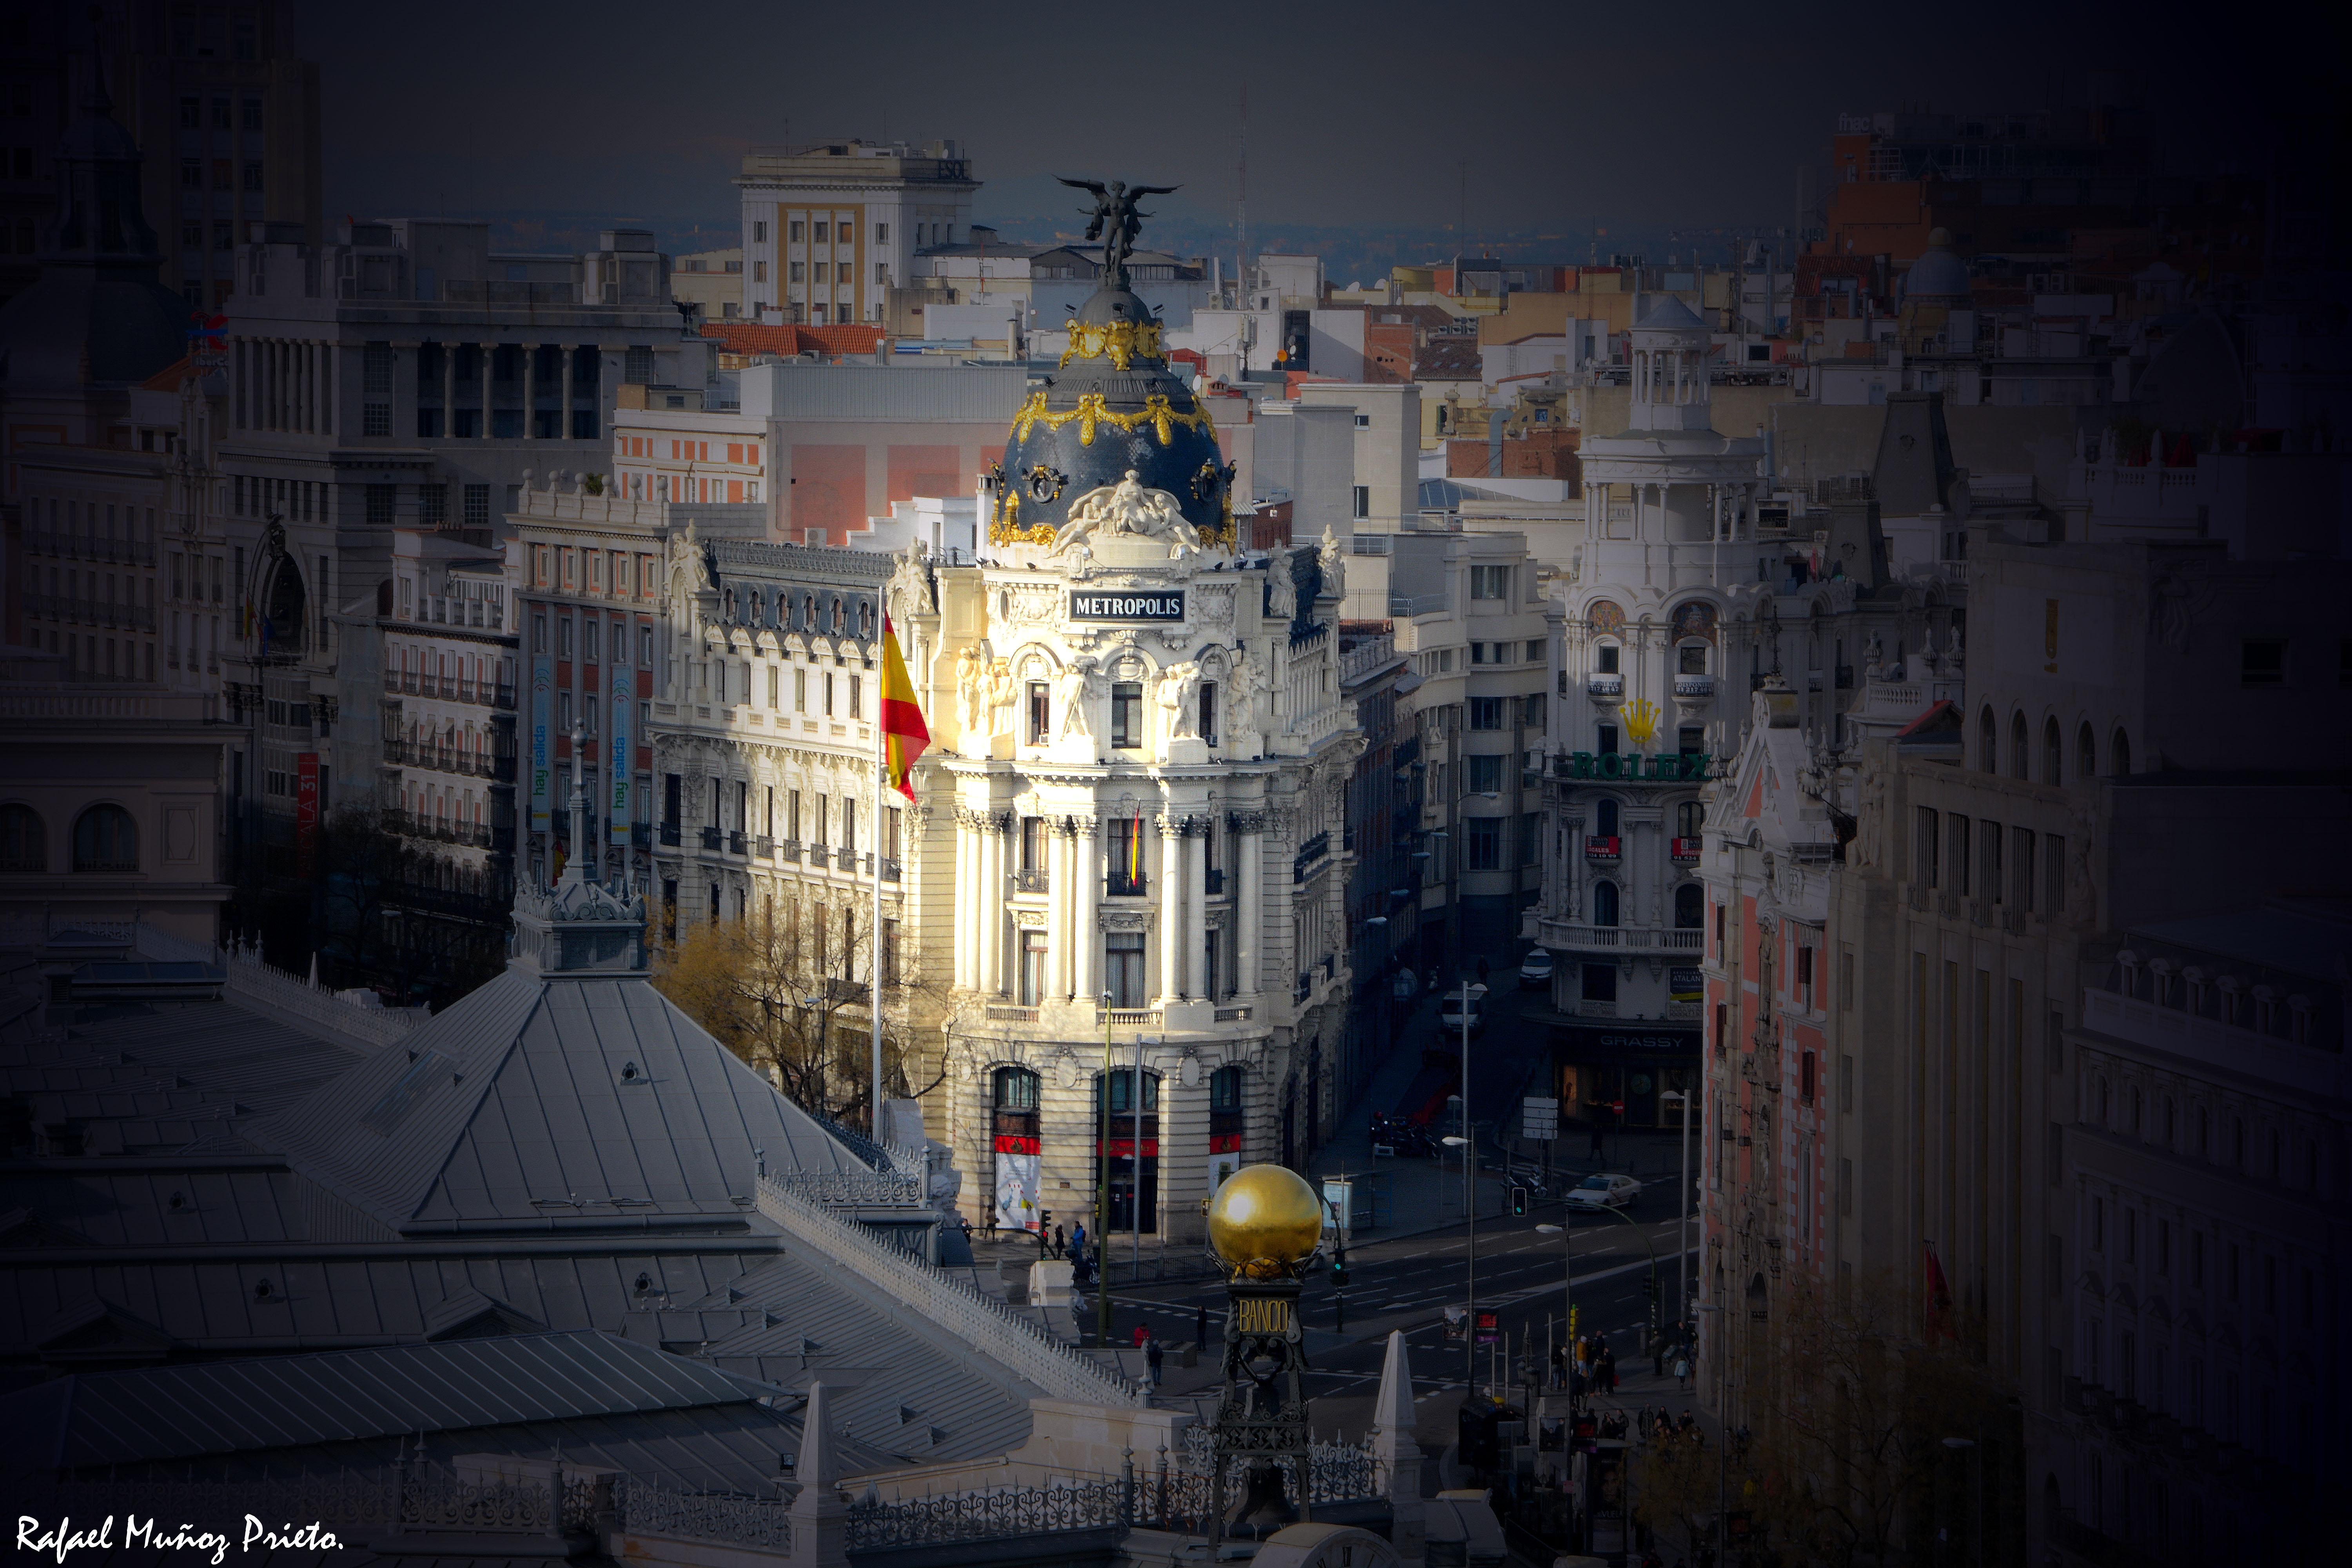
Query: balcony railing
[(892, 870), (1604, 686), (787, 851), (1117, 886), (671, 834), (1554, 932), (1684, 849), (1596, 849), (713, 839), (1694, 686), (847, 860), (764, 847), (1032, 879), (1313, 850), (1216, 881), (737, 844)]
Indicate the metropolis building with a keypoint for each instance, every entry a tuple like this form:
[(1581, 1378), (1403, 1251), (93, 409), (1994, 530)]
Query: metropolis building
[(1132, 806)]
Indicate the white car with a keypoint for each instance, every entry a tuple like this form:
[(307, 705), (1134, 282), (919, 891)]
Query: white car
[(1603, 1191), (1449, 1013), (1536, 969)]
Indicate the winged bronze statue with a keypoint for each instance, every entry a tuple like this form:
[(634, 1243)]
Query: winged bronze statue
[(1115, 222)]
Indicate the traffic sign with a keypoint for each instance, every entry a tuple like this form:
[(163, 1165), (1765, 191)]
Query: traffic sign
[(1539, 1118)]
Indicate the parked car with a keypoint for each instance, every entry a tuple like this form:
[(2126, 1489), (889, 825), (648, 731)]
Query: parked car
[(1450, 1010), (1535, 969), (1601, 1191)]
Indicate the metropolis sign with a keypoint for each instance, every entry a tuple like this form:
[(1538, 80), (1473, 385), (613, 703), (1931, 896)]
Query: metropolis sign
[(1094, 605)]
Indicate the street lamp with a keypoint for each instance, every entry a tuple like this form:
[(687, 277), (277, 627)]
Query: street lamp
[(1682, 1221), (1470, 1313), (1723, 1433), (1959, 1445), (1102, 1180)]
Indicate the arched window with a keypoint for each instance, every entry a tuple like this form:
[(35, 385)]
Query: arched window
[(2119, 754), (1016, 1089), (105, 839), (1689, 907), (1604, 903), (1689, 816), (1987, 757), (2021, 754), (2087, 754), (2053, 755), (24, 841), (1604, 819)]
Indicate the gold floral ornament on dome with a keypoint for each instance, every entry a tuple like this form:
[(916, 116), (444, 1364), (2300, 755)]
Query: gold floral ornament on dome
[(1006, 527), (1092, 412), (1122, 341)]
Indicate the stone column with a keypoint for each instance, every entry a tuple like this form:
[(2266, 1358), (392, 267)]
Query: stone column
[(989, 908), (1057, 924), (964, 877), (1249, 962), (1194, 936), (530, 391), (1086, 876), (1172, 906)]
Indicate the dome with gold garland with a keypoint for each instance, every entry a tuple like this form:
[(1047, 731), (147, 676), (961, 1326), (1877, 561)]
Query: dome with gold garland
[(1109, 409), (1264, 1221)]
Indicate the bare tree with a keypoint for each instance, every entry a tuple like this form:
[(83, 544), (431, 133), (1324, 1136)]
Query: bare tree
[(788, 990), (1853, 1416)]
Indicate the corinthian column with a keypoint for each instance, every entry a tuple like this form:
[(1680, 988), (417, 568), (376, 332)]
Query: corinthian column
[(1086, 878), (1248, 962), (1171, 907)]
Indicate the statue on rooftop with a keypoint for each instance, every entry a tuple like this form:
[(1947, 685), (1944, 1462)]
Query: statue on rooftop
[(1115, 222)]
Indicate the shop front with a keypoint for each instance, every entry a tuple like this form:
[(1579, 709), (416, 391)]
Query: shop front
[(1620, 1074)]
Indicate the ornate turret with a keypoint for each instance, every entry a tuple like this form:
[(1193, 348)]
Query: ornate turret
[(579, 927), (1112, 411)]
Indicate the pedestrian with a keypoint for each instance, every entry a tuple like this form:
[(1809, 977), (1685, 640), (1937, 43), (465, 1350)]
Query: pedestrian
[(1682, 1372), (1062, 1243), (1142, 1335), (1559, 1366), (1597, 1151), (1152, 1357), (1078, 1238)]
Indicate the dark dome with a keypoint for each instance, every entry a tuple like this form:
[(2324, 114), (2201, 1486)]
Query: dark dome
[(1111, 406)]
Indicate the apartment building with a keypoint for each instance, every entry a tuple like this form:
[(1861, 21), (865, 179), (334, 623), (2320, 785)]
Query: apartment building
[(402, 375), (831, 227)]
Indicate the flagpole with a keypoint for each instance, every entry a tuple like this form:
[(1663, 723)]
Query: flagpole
[(881, 784)]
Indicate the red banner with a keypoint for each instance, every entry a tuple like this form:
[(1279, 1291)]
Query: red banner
[(1224, 1143), (306, 809), (1015, 1143)]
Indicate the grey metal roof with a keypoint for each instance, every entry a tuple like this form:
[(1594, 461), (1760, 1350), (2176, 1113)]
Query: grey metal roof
[(555, 1100), (282, 1401)]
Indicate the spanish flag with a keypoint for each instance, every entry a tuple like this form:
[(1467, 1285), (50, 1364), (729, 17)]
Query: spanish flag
[(904, 732)]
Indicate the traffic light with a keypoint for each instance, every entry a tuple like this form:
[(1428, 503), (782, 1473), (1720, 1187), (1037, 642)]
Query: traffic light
[(1338, 1273), (1519, 1200), (1575, 1315)]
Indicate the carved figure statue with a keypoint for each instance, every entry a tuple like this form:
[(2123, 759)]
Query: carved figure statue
[(1179, 695), (1874, 658), (1247, 711), (1955, 654), (1114, 220), (910, 582), (971, 689), (1281, 592), (1333, 561), (1074, 690), (1001, 689), (1127, 508)]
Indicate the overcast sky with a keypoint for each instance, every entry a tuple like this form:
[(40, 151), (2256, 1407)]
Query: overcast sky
[(1637, 114)]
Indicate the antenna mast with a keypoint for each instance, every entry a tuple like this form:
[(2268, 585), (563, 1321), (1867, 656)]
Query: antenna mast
[(1240, 210)]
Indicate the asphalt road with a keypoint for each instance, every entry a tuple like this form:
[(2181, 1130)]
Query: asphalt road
[(1408, 1282)]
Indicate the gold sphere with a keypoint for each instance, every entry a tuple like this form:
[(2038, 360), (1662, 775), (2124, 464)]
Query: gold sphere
[(1265, 1215)]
